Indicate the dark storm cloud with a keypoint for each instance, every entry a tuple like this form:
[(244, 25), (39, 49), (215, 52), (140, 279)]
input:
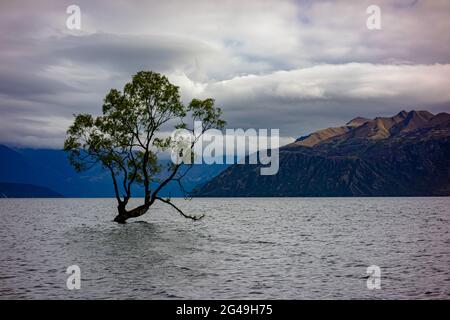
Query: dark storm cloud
[(71, 74), (293, 65), (24, 84), (128, 53)]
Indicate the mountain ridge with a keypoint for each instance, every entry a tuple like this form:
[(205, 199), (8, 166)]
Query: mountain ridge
[(51, 169), (403, 155), (24, 190), (377, 128)]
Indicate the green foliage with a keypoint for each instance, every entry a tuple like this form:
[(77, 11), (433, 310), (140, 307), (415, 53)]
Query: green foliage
[(205, 111), (123, 139)]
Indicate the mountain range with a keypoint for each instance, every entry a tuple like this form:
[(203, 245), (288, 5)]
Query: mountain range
[(50, 169), (407, 154), (23, 190)]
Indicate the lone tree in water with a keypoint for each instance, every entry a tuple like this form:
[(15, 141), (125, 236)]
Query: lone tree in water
[(123, 139)]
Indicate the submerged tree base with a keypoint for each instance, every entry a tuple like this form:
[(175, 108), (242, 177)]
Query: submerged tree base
[(120, 219), (124, 215)]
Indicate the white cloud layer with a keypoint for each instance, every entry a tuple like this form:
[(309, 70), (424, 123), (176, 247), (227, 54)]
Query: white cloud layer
[(293, 65)]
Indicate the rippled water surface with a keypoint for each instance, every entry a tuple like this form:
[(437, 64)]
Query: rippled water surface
[(290, 248)]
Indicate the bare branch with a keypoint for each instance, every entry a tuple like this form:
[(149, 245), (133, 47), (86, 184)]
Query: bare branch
[(116, 189), (195, 218)]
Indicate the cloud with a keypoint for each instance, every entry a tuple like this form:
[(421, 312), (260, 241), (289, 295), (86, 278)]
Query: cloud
[(284, 99), (293, 65)]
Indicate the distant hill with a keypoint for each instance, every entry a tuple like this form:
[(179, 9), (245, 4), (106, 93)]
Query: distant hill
[(378, 128), (21, 190), (404, 155), (51, 169)]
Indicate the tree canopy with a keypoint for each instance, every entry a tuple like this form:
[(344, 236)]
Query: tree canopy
[(124, 138)]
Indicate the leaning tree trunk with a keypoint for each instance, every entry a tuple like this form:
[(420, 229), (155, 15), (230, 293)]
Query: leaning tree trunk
[(124, 214)]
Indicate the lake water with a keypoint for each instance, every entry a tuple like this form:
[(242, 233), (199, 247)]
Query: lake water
[(266, 248)]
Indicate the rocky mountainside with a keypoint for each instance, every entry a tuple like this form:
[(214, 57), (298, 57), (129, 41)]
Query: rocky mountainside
[(404, 155)]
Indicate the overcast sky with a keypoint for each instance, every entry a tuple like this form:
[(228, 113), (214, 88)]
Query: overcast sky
[(293, 65)]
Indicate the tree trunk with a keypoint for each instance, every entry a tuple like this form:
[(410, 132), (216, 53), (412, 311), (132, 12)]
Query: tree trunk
[(124, 215)]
